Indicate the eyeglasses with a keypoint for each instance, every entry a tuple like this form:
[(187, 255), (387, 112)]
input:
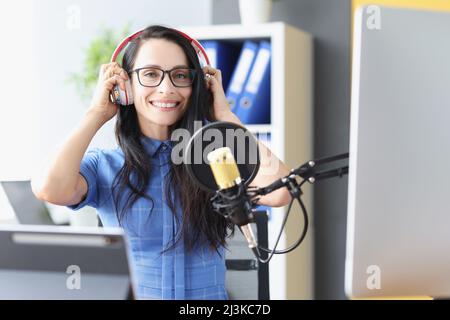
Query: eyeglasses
[(154, 76)]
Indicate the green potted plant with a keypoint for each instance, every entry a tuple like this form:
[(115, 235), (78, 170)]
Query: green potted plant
[(98, 52)]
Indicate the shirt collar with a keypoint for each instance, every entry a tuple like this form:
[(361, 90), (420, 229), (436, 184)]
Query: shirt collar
[(153, 146)]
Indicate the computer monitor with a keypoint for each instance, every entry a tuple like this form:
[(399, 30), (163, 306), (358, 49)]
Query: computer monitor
[(398, 231), (58, 262)]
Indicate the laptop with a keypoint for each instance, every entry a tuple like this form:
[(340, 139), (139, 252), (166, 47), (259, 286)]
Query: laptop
[(398, 226), (27, 208), (59, 262)]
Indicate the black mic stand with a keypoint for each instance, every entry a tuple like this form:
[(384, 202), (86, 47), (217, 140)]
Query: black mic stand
[(309, 172)]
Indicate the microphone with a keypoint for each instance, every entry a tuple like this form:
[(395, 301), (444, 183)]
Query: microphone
[(234, 198), (231, 199)]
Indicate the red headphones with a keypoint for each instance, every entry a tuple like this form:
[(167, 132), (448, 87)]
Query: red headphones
[(126, 97)]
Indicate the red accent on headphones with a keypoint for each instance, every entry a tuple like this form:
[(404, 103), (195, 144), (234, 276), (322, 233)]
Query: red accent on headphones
[(124, 43), (197, 46)]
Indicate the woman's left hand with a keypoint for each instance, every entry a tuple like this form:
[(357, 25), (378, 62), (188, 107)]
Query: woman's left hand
[(221, 106)]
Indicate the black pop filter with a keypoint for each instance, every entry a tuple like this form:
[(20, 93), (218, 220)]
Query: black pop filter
[(241, 142)]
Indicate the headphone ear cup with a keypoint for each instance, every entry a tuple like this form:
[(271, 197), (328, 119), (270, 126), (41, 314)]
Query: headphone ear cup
[(124, 98)]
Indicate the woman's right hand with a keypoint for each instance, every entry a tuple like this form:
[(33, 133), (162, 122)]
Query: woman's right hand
[(110, 75)]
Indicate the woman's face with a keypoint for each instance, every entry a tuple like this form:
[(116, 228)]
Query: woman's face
[(160, 107)]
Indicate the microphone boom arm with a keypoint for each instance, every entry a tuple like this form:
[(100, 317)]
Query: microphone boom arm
[(225, 202), (308, 172)]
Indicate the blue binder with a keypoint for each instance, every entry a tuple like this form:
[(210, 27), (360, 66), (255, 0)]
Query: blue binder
[(241, 73), (222, 56), (254, 102)]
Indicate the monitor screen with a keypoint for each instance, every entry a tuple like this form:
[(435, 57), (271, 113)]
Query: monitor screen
[(59, 263), (398, 226)]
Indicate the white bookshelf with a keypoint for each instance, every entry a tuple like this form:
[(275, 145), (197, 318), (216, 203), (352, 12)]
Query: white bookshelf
[(291, 275)]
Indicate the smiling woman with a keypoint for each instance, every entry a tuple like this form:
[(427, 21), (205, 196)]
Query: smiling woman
[(177, 242)]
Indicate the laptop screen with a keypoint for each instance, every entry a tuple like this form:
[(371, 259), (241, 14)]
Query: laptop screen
[(28, 209)]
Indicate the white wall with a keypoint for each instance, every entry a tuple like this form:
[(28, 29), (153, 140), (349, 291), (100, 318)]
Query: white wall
[(44, 39), (18, 112)]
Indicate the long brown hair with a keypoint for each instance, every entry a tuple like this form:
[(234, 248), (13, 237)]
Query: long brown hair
[(200, 225)]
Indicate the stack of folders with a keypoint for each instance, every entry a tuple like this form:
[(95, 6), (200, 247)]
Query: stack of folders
[(249, 89), (223, 56), (245, 76)]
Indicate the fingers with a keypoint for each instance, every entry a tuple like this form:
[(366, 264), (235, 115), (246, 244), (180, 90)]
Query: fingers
[(120, 71), (112, 74), (113, 68), (114, 80), (213, 78), (212, 72)]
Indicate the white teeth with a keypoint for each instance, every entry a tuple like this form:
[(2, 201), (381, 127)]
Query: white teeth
[(164, 105)]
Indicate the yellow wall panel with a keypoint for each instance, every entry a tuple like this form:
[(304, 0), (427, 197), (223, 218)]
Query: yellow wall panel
[(438, 5)]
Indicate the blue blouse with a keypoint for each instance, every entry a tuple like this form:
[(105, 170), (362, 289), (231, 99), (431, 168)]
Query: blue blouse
[(173, 274)]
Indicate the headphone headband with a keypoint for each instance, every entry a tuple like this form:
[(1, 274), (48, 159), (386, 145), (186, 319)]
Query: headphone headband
[(201, 53)]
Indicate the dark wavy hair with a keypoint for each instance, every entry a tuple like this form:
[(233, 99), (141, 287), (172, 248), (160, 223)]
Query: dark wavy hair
[(200, 225)]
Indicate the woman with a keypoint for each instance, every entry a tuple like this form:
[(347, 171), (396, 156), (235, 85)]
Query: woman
[(176, 241)]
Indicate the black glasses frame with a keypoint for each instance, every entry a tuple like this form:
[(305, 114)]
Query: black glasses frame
[(191, 71)]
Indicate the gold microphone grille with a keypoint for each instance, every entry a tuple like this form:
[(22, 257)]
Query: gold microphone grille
[(224, 168)]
